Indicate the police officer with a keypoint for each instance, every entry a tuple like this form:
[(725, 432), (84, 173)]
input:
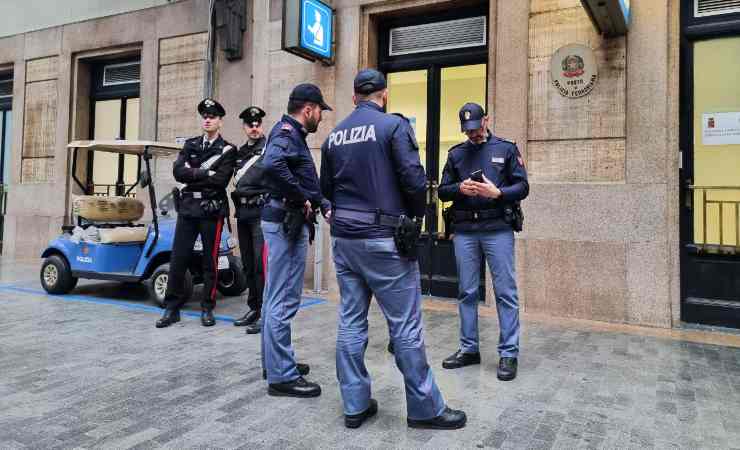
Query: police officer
[(249, 196), (484, 217), (293, 186), (372, 175), (205, 166)]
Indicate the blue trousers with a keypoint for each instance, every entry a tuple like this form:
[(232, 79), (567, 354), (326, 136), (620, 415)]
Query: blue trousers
[(286, 264), (367, 267), (498, 249)]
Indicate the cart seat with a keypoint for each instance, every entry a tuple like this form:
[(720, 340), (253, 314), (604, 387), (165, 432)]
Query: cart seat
[(104, 209), (119, 235)]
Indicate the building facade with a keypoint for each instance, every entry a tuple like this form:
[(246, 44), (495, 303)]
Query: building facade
[(611, 231)]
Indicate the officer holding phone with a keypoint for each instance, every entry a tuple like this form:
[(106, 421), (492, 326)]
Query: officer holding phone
[(485, 178)]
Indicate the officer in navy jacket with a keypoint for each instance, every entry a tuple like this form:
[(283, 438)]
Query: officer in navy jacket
[(204, 167), (293, 187), (484, 216), (249, 196), (371, 173)]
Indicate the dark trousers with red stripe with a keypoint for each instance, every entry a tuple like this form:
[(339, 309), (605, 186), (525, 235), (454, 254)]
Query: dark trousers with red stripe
[(186, 232)]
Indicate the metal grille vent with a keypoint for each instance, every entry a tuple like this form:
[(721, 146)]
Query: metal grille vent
[(6, 88), (124, 73), (703, 8), (432, 37)]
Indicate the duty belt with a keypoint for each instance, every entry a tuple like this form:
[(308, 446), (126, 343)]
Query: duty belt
[(366, 217), (252, 201), (474, 216), (192, 194)]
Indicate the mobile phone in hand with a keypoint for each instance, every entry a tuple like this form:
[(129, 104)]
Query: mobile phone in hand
[(477, 176)]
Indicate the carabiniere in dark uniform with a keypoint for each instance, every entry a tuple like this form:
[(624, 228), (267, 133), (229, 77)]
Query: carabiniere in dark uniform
[(205, 166), (249, 196)]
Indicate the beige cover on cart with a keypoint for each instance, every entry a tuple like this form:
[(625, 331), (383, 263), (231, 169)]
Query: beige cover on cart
[(108, 209), (122, 234)]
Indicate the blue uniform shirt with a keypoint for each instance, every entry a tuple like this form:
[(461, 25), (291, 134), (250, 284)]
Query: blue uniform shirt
[(290, 170), (500, 162), (370, 163)]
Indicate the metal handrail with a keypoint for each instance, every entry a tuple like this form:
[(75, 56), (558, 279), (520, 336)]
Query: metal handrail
[(720, 245)]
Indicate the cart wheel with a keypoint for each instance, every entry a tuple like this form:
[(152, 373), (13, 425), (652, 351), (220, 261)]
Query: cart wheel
[(232, 281), (56, 276), (157, 284)]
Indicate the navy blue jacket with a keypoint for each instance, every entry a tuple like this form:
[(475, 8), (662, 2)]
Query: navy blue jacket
[(289, 168), (501, 163), (370, 162)]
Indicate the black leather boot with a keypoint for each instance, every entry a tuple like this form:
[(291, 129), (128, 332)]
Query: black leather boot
[(169, 317), (207, 319), (450, 419), (355, 420), (296, 388), (248, 319), (254, 328), (507, 368), (460, 359)]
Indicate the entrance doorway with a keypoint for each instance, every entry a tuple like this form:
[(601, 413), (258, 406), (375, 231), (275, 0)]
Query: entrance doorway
[(115, 115), (429, 87), (710, 211)]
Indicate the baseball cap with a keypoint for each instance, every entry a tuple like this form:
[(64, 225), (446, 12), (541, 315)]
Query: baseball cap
[(471, 116), (308, 92), (368, 81)]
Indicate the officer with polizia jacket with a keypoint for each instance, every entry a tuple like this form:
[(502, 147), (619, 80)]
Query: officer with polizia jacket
[(204, 167), (485, 178), (372, 175)]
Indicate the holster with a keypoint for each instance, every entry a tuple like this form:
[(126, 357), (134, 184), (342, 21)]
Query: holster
[(293, 223), (406, 237), (514, 216), (176, 198), (448, 215)]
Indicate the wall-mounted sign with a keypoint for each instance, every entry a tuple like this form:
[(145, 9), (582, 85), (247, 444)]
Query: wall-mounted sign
[(308, 27), (610, 17), (573, 70), (721, 128)]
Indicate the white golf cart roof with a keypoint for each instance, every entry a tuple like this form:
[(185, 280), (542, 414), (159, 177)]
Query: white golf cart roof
[(128, 147)]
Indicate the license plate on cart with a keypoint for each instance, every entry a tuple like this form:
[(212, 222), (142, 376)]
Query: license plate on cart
[(223, 262)]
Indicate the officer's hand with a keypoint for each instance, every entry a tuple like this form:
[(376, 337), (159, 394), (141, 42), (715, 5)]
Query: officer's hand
[(327, 215), (487, 189), (468, 188), (307, 209)]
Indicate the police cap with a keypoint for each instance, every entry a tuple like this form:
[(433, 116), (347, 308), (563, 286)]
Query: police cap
[(212, 107), (308, 92), (369, 81), (253, 114), (471, 117)]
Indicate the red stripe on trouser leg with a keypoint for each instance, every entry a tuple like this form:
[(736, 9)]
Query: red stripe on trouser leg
[(264, 261), (214, 255)]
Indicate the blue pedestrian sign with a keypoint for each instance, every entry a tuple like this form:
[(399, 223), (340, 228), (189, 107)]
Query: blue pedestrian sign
[(308, 29)]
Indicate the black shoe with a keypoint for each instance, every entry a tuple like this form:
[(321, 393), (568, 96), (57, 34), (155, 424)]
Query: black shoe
[(255, 327), (248, 319), (296, 388), (169, 317), (460, 359), (391, 349), (355, 420), (206, 318), (507, 369), (450, 419), (303, 370)]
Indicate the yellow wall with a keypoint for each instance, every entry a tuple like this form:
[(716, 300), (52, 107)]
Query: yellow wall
[(716, 89)]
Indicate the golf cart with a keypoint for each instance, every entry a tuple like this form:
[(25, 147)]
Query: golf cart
[(103, 241)]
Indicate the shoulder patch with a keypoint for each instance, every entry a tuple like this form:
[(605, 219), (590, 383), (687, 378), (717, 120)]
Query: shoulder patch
[(286, 126)]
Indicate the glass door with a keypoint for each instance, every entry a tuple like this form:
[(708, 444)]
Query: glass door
[(431, 98), (711, 211), (114, 119)]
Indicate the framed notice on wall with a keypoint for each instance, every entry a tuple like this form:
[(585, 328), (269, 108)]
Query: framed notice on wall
[(721, 128)]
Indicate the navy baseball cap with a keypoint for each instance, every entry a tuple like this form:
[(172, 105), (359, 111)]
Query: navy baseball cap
[(471, 117), (369, 81), (308, 92)]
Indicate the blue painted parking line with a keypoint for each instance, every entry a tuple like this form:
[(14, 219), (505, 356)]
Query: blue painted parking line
[(306, 303)]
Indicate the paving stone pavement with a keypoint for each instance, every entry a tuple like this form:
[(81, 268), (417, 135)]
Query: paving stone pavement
[(79, 372)]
